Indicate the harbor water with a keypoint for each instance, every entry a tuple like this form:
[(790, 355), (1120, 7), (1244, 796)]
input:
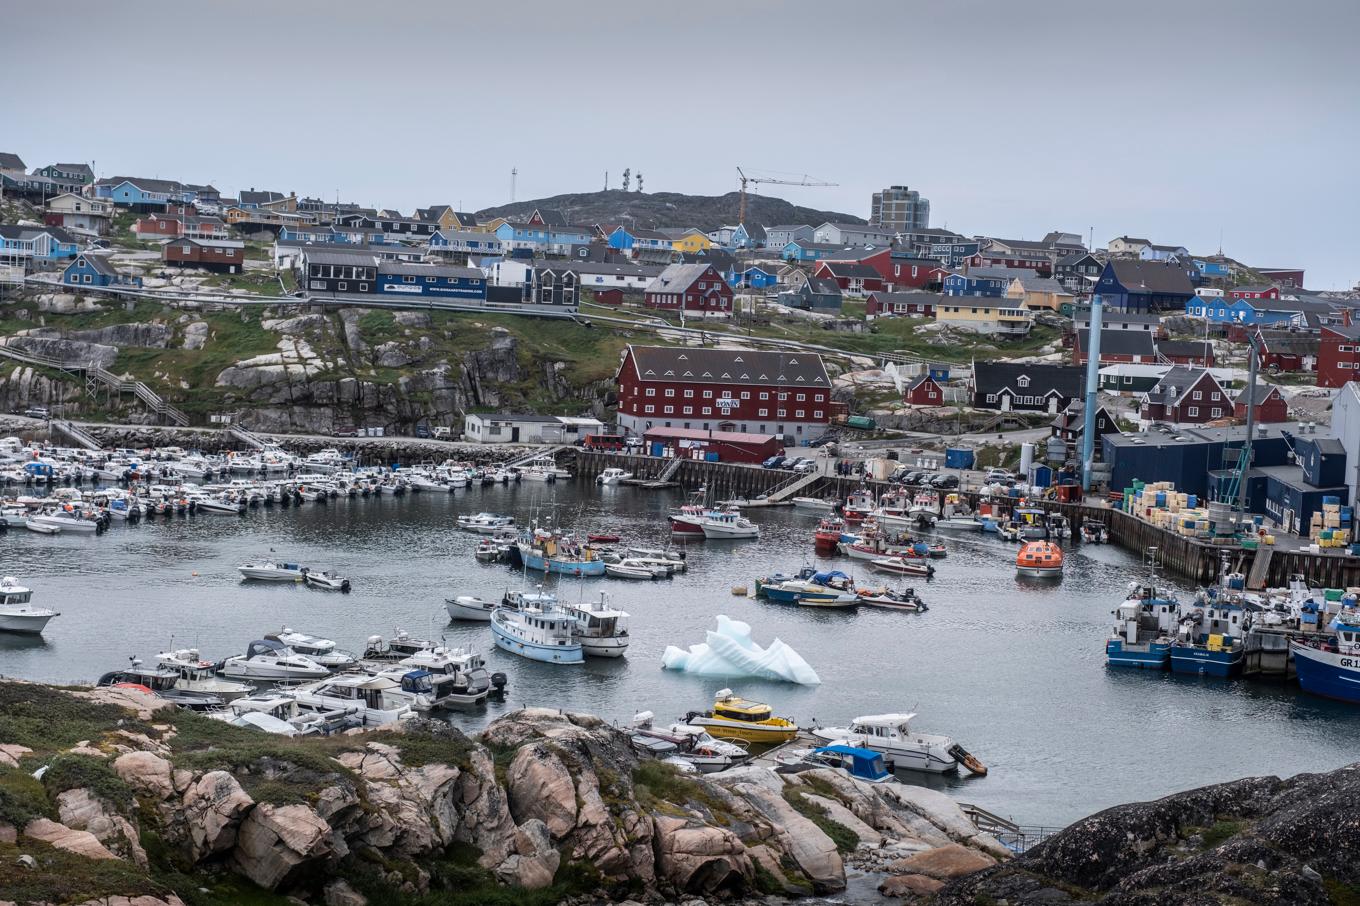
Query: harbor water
[(1013, 668)]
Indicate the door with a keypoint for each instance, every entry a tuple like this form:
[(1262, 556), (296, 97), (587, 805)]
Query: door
[(1052, 405), (514, 435)]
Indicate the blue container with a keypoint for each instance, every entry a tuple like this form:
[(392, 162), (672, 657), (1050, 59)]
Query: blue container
[(958, 458), (1161, 498), (1336, 501), (710, 457), (658, 448), (1043, 476), (1191, 501)]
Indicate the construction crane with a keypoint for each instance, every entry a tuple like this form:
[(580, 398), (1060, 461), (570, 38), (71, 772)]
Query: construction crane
[(805, 181)]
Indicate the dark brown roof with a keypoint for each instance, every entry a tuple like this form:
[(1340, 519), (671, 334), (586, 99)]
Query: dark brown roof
[(1152, 277), (745, 367)]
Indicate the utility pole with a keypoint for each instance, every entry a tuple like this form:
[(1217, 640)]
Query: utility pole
[(1088, 428), (1253, 363), (514, 172)]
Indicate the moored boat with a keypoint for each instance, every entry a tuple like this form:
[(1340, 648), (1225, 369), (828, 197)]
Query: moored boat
[(749, 722), (1040, 559), (728, 524), (891, 734), (886, 598), (814, 504), (326, 580), (1143, 630), (266, 659), (484, 523), (601, 630), (1331, 668), (272, 571), (539, 634), (903, 566), (17, 613), (613, 475), (469, 608)]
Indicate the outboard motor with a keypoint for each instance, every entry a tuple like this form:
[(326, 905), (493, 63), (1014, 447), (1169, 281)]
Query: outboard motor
[(498, 681)]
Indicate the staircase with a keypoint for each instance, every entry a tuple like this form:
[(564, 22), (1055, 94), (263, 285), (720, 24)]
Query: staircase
[(76, 434), (538, 454), (96, 377), (672, 467), (792, 486), (1260, 567), (250, 440)]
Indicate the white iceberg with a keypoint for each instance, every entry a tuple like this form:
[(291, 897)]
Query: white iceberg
[(730, 652)]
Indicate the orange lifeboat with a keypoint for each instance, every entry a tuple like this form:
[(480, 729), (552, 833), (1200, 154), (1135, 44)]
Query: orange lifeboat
[(1039, 558)]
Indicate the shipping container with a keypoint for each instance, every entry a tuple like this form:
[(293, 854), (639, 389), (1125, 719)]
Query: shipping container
[(959, 458)]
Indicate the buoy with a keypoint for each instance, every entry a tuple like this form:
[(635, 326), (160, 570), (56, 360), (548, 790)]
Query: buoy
[(194, 573), (739, 590)]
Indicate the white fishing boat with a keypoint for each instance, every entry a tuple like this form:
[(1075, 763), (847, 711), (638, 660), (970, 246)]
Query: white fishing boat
[(613, 475), (539, 634), (484, 523), (323, 651), (601, 630), (17, 613), (726, 524), (469, 608), (326, 580), (377, 700), (891, 735), (272, 571), (198, 675), (266, 659), (814, 505)]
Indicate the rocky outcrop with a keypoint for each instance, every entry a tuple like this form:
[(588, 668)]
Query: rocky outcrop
[(59, 836), (82, 810), (71, 352), (1259, 840), (145, 772), (275, 843), (211, 813)]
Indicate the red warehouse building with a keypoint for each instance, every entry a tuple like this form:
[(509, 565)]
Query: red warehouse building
[(694, 287), (853, 277), (741, 390), (1254, 292), (907, 304), (728, 446), (1338, 356)]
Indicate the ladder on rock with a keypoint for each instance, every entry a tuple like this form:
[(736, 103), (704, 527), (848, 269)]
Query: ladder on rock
[(96, 377), (793, 486), (245, 437), (1260, 567), (76, 434)]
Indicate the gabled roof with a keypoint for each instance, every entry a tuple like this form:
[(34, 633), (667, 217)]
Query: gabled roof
[(992, 273), (1076, 258), (848, 270), (9, 161), (620, 269), (98, 263), (550, 216), (994, 377), (147, 185), (1152, 277), (921, 379), (822, 286), (250, 196), (729, 366), (677, 278), (1289, 342), (1194, 349), (74, 168), (1033, 283), (1176, 382), (1132, 240), (858, 252), (785, 227), (1119, 342), (1263, 393)]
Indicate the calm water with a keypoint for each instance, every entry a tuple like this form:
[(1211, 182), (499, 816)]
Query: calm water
[(1012, 668)]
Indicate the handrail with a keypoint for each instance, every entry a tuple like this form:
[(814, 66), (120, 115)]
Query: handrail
[(96, 371)]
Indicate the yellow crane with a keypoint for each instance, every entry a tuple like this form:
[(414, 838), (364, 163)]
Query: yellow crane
[(756, 180)]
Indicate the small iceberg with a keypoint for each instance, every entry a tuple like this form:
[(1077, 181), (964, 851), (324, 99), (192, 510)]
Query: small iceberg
[(730, 651)]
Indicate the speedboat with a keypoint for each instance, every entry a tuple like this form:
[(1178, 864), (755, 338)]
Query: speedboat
[(959, 522), (267, 659), (455, 676), (613, 475), (1093, 532), (861, 764), (484, 523), (161, 682), (724, 524), (693, 745), (17, 613), (601, 630), (903, 566), (891, 734), (278, 712), (907, 599), (66, 520), (814, 505), (489, 550), (323, 651), (271, 571), (42, 528), (736, 718), (376, 699), (326, 580), (1041, 559), (470, 608), (401, 645), (197, 675), (636, 568), (539, 634), (821, 589)]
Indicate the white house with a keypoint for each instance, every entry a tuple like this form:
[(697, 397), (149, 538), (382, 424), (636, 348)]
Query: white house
[(502, 428), (844, 234)]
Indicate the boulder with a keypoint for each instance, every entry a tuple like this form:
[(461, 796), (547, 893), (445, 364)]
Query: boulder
[(195, 335), (275, 843), (59, 836), (143, 705), (82, 810), (10, 753), (72, 352), (213, 807), (147, 773), (535, 860), (540, 786), (699, 858), (339, 893), (802, 840), (846, 818), (909, 886), (943, 862)]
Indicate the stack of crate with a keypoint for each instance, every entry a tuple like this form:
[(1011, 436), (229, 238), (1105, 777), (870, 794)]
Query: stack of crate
[(1331, 527), (1162, 505)]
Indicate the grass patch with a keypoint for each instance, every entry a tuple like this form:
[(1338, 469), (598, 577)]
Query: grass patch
[(47, 720), (456, 879), (429, 743), (64, 877), (845, 839), (1221, 832), (764, 882), (658, 786), (74, 772), (1341, 893), (22, 798)]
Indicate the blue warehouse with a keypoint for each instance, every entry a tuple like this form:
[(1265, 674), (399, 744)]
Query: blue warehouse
[(399, 278)]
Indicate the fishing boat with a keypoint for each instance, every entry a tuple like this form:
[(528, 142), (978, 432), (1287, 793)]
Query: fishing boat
[(323, 651), (375, 700), (198, 675), (891, 734), (484, 523), (859, 505), (550, 552), (267, 659), (326, 580), (1211, 633), (903, 566), (1040, 559), (17, 613), (613, 475), (469, 608), (601, 630), (886, 598), (544, 468), (1093, 532), (830, 533), (1144, 630), (822, 589), (688, 520), (728, 524), (814, 505), (160, 682), (546, 635), (489, 550), (272, 571), (1331, 668), (752, 723), (635, 568)]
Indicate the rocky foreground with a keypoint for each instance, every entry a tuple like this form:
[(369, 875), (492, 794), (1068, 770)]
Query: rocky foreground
[(107, 799)]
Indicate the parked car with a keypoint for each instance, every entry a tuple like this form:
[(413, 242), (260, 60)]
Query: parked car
[(633, 441), (774, 462), (915, 477), (803, 466), (997, 475), (37, 412), (423, 431), (346, 432), (944, 482)]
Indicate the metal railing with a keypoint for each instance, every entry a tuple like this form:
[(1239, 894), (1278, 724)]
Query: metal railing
[(96, 374)]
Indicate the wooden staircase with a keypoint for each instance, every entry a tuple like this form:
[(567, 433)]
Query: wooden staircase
[(96, 378)]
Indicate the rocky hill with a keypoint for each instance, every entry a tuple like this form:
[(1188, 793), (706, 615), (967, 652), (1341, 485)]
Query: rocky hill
[(670, 209), (106, 798)]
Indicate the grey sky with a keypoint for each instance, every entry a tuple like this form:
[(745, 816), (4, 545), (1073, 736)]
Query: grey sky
[(1177, 121)]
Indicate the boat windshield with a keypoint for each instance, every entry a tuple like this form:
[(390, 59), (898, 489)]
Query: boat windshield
[(16, 597), (743, 712)]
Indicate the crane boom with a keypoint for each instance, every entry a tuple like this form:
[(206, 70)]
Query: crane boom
[(805, 181)]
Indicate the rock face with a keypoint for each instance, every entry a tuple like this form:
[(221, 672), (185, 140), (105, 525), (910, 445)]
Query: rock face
[(1256, 840), (275, 842), (81, 810)]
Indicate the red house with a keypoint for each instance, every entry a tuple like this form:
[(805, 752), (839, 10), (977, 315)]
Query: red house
[(1270, 405), (1040, 264), (854, 278), (924, 392), (1186, 396), (227, 256), (909, 272), (906, 304), (607, 295), (1187, 352), (730, 446), (706, 389), (1338, 360), (1287, 350), (1116, 346), (694, 287), (1254, 292), (1284, 276)]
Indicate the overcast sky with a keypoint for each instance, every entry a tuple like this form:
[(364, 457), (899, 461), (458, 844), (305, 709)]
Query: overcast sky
[(1177, 121)]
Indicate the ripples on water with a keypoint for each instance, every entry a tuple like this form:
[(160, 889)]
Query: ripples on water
[(1013, 668)]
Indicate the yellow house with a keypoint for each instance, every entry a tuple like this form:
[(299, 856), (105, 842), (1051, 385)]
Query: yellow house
[(984, 314), (1039, 293), (691, 241)]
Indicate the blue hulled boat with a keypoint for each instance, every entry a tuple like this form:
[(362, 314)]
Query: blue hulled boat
[(548, 552), (1143, 630), (1332, 669), (1211, 636), (539, 634)]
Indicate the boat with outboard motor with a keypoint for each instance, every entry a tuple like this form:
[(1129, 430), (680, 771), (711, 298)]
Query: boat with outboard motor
[(267, 659), (470, 608), (484, 523), (749, 722), (326, 580), (907, 599), (161, 682), (272, 571), (323, 651), (401, 645), (861, 764), (904, 566), (693, 745), (828, 589), (376, 700), (634, 568), (613, 475), (891, 734), (815, 505), (198, 675), (17, 613), (458, 677)]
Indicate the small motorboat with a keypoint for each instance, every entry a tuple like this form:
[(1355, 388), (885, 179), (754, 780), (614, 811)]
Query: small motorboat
[(161, 682), (401, 645), (469, 608), (635, 568), (17, 613), (323, 651), (1040, 559), (674, 559), (613, 476), (729, 523), (326, 580), (484, 523), (907, 599), (861, 764), (196, 675), (693, 745), (752, 723), (603, 537), (266, 659), (892, 735), (1093, 532), (271, 571), (489, 550), (42, 528), (903, 566), (814, 505)]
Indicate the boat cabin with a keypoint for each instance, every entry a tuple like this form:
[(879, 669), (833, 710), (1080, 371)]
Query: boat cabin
[(11, 592), (862, 764), (361, 690), (731, 707)]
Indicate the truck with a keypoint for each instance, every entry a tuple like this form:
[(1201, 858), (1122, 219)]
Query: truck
[(443, 432)]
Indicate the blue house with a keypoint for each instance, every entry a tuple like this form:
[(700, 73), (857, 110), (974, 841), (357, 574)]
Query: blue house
[(399, 278), (1145, 286), (95, 270), (469, 242), (36, 243), (807, 250), (1213, 270), (756, 276), (988, 282), (542, 237), (142, 194)]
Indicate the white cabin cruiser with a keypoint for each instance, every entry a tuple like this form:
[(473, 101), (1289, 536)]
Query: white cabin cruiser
[(613, 475), (323, 651), (401, 645), (891, 734), (277, 711), (694, 745), (470, 608), (635, 568), (728, 524), (378, 700), (326, 580), (17, 613), (438, 677), (267, 659), (197, 675), (815, 504), (601, 630), (484, 523), (272, 571), (65, 520)]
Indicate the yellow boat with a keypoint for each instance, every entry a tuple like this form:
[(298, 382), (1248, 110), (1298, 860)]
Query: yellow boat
[(734, 717)]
